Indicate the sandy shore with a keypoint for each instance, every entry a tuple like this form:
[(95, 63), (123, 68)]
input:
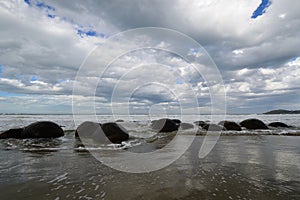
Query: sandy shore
[(239, 167)]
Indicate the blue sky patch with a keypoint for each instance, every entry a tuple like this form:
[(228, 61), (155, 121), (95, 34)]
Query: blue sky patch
[(291, 60), (7, 94), (261, 9), (42, 6), (51, 16), (34, 78), (83, 33), (61, 80), (27, 2), (45, 6), (179, 81), (87, 33), (195, 50)]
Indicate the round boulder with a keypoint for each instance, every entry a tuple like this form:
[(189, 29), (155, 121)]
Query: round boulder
[(165, 125), (230, 125), (12, 133), (253, 124), (101, 133), (278, 124), (87, 129), (115, 132), (42, 129), (177, 121)]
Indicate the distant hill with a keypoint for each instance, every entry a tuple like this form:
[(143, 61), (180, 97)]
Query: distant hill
[(282, 112)]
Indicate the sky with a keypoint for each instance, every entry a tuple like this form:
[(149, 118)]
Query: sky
[(254, 45)]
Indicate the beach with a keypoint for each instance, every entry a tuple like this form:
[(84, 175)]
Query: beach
[(153, 100), (238, 167)]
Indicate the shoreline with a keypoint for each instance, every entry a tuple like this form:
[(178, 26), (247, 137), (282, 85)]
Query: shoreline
[(248, 167)]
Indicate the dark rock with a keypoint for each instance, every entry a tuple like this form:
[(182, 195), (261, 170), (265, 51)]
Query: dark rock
[(177, 121), (115, 132), (42, 129), (230, 125), (278, 124), (200, 123), (253, 124), (165, 125), (87, 129), (11, 133), (101, 133), (185, 126), (213, 127), (120, 120)]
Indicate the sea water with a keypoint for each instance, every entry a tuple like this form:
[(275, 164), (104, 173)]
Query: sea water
[(242, 165)]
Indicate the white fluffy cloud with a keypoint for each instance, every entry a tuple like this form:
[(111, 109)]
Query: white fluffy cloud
[(43, 44)]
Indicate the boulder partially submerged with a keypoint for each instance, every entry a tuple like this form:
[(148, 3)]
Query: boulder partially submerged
[(115, 132), (12, 133), (253, 124), (165, 125), (177, 121), (102, 133), (41, 129), (278, 124), (230, 125)]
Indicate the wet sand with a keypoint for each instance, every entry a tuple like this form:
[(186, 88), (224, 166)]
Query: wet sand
[(239, 167)]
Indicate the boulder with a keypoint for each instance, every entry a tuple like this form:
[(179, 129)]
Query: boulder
[(115, 132), (200, 123), (12, 133), (87, 129), (177, 121), (213, 127), (102, 133), (165, 125), (42, 129), (185, 126), (120, 120), (278, 124), (230, 125), (253, 124)]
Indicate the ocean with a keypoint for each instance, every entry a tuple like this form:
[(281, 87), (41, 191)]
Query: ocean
[(263, 164)]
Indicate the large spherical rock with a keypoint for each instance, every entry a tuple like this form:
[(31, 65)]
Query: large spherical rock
[(177, 121), (213, 127), (42, 129), (115, 132), (165, 125), (12, 133), (278, 124), (230, 125), (253, 124), (88, 129), (101, 133)]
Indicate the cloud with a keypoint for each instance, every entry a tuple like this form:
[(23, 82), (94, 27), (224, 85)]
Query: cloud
[(255, 45)]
